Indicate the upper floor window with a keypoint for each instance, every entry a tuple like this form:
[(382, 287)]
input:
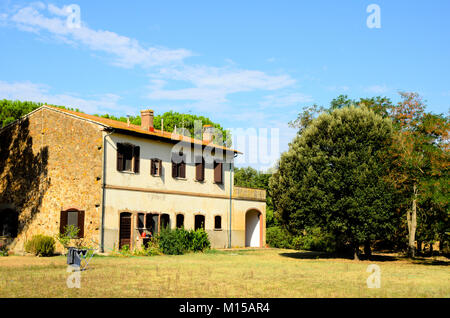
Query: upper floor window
[(128, 157), (218, 172), (200, 169), (156, 167), (179, 166)]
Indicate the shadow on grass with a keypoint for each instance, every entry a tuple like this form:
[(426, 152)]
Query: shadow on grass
[(323, 255), (424, 261)]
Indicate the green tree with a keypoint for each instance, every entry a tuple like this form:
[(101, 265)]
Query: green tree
[(332, 177), (11, 110), (420, 168), (380, 105), (181, 121)]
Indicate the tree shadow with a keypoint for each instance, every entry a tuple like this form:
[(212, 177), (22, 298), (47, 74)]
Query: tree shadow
[(428, 261), (23, 174), (343, 255)]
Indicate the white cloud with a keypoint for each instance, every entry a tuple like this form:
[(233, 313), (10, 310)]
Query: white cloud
[(377, 89), (286, 100), (28, 91), (342, 88), (58, 11), (126, 52), (213, 84)]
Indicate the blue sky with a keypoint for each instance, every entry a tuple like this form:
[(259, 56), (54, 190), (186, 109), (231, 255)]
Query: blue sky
[(242, 63)]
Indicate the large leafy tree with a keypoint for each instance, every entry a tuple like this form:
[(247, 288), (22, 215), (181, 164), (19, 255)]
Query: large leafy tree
[(183, 123), (420, 168), (11, 110), (332, 177)]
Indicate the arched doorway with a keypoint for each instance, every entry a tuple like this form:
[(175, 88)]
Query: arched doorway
[(125, 229), (253, 228)]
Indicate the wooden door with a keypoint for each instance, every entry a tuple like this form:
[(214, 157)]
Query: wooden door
[(125, 230)]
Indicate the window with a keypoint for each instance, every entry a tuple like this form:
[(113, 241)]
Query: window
[(156, 167), (217, 222), (128, 157), (152, 222), (218, 172), (179, 168), (180, 220), (72, 217), (200, 169), (165, 221), (141, 221), (199, 222)]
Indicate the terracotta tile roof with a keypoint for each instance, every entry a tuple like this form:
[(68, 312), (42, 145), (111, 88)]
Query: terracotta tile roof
[(125, 128)]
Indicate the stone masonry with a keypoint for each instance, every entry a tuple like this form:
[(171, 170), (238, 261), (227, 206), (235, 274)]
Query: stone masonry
[(49, 162)]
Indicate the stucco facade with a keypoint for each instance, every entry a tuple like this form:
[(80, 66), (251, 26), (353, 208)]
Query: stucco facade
[(71, 162)]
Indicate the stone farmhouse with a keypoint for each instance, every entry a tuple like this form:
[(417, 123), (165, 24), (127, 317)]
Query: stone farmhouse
[(119, 183)]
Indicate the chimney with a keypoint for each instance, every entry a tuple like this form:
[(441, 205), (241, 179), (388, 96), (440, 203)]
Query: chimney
[(208, 133), (147, 120)]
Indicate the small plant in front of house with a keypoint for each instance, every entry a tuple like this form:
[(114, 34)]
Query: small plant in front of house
[(125, 251), (40, 245), (70, 233), (3, 251), (150, 249)]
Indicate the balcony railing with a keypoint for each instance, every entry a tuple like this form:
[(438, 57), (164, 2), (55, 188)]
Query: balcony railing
[(249, 194)]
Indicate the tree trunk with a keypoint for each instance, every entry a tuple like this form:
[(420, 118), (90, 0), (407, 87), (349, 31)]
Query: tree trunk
[(367, 250), (356, 252), (412, 224)]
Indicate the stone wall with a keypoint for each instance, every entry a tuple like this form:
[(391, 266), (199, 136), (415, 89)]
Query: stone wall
[(50, 162)]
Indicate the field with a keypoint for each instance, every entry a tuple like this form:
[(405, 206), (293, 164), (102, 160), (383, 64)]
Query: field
[(227, 273)]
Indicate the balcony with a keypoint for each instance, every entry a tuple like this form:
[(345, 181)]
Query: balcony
[(249, 194)]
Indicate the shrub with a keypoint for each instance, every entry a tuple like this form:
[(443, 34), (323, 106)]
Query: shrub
[(151, 249), (315, 239), (41, 245), (278, 237), (180, 241), (173, 242), (3, 251), (200, 241)]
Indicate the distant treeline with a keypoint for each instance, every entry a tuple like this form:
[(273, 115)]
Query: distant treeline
[(11, 110)]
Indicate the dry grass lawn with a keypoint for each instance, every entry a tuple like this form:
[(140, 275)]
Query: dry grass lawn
[(234, 273)]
